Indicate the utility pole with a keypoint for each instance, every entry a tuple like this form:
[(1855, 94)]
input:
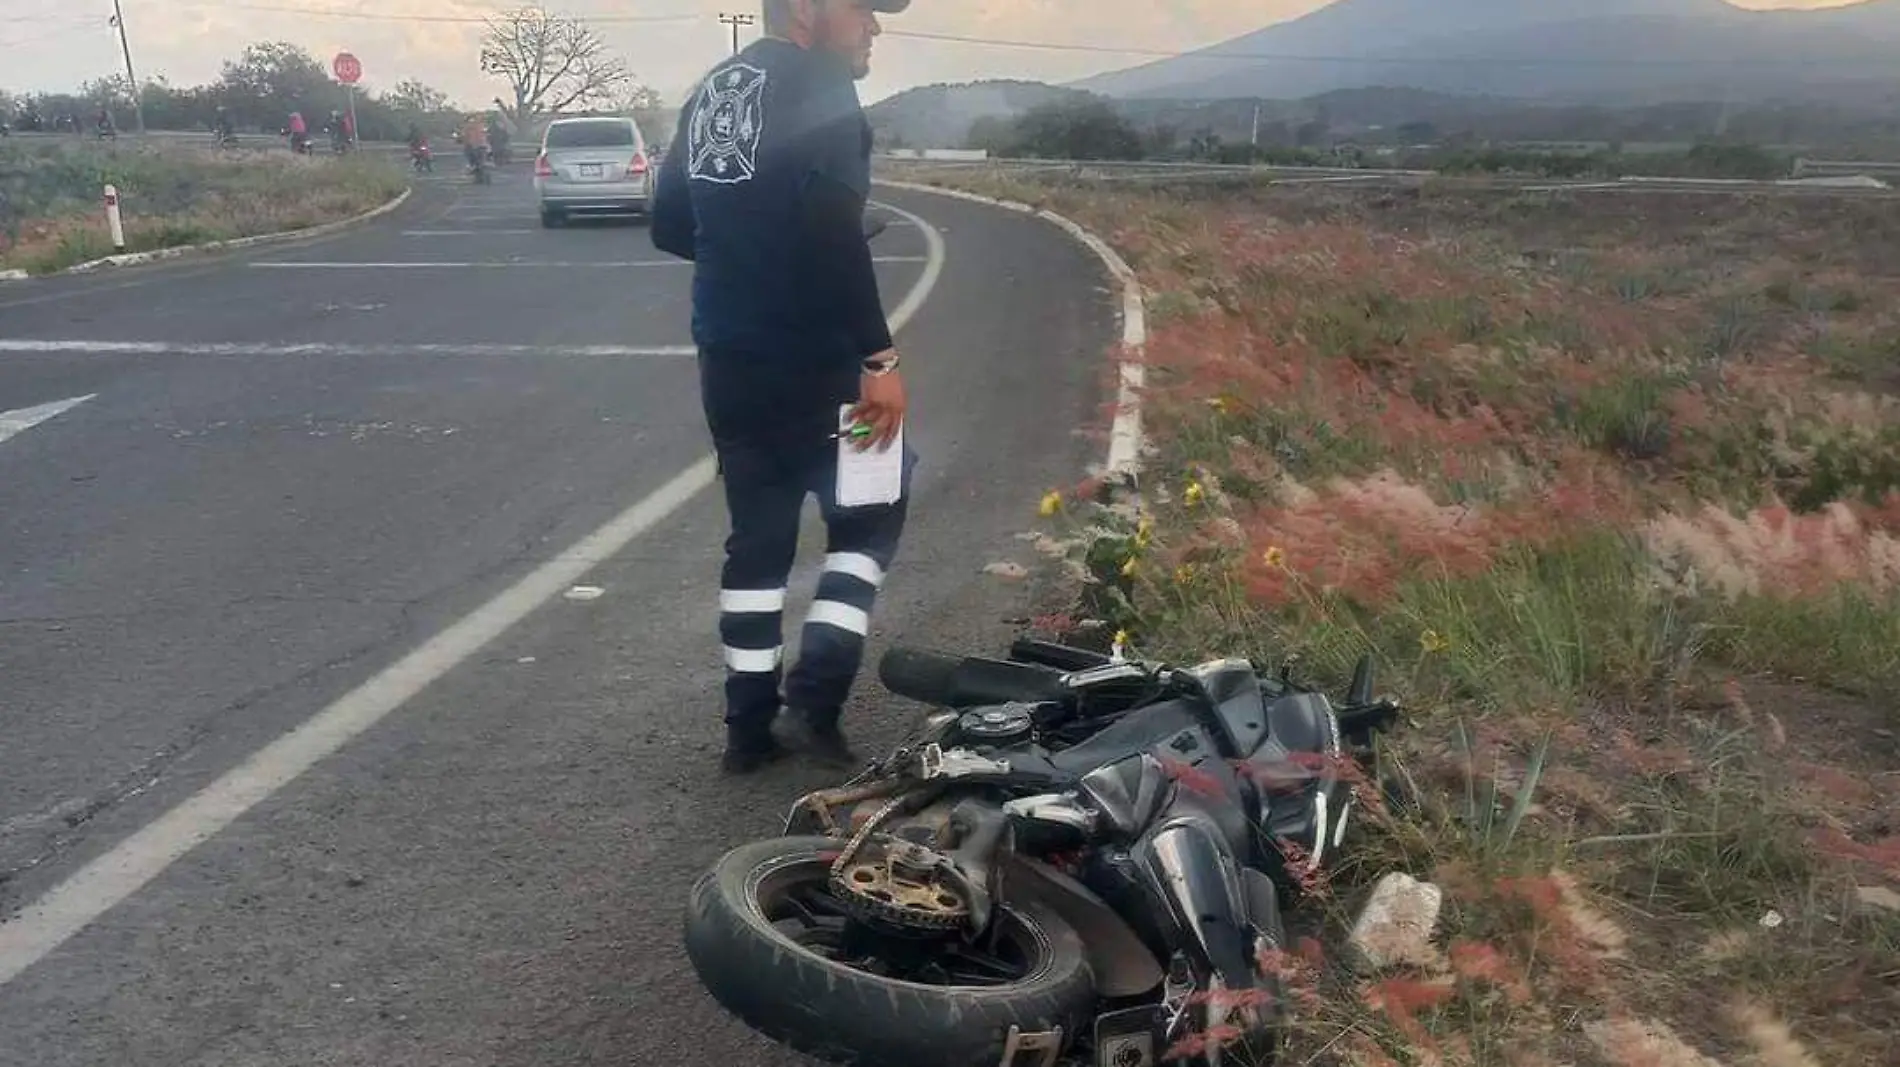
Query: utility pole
[(735, 21), (138, 98)]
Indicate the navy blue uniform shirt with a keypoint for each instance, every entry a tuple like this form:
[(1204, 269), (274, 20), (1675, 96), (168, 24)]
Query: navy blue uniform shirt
[(764, 189)]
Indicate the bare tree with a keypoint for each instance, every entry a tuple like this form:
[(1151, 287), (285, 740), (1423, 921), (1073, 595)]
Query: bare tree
[(552, 64), (636, 98)]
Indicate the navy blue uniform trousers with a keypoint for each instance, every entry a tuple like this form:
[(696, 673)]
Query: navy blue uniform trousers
[(773, 430)]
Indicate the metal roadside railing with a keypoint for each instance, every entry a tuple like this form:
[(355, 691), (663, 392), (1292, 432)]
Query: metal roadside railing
[(1875, 180)]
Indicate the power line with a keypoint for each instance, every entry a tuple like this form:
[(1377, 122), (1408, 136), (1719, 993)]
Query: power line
[(24, 42), (1206, 55), (379, 16), (1210, 56)]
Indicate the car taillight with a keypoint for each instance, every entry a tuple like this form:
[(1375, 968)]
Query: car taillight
[(639, 165), (542, 168)]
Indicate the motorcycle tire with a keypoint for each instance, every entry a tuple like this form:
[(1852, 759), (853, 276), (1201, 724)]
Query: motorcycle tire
[(843, 1015)]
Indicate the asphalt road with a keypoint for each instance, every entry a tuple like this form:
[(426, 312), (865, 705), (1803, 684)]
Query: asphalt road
[(316, 483)]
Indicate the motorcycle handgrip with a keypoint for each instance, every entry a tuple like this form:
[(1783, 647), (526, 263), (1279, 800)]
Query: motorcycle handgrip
[(964, 682), (1050, 654)]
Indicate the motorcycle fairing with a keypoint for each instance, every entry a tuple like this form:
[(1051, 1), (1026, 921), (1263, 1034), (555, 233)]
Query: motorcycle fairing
[(1191, 869)]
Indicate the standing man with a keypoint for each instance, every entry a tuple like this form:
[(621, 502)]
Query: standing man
[(764, 189)]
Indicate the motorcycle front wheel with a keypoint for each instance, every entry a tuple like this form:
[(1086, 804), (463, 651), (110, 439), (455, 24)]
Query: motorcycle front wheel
[(774, 947)]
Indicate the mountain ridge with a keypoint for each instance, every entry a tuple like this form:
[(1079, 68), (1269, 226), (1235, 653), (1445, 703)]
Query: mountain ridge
[(1622, 51)]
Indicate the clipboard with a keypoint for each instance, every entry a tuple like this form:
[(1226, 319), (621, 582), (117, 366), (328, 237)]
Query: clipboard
[(872, 477)]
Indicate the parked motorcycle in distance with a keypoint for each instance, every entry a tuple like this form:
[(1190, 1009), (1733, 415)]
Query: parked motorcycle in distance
[(422, 159), (1077, 856)]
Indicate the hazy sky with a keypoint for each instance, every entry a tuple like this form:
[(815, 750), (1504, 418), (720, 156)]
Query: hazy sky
[(49, 44)]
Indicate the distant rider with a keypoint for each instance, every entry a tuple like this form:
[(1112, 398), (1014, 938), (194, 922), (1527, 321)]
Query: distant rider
[(474, 140)]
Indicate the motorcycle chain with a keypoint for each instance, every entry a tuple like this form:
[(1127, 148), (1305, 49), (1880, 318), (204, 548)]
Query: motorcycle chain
[(872, 908)]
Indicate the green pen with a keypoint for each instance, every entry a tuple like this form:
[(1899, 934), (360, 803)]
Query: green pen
[(858, 430)]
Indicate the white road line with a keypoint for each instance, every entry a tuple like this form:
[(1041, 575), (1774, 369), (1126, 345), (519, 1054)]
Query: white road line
[(465, 233), (463, 265), (20, 420), (28, 346), (510, 264), (102, 884)]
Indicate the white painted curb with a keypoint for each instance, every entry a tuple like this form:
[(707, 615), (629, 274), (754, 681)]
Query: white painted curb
[(1125, 436), (130, 259)]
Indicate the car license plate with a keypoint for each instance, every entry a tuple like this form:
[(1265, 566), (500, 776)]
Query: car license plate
[(590, 170)]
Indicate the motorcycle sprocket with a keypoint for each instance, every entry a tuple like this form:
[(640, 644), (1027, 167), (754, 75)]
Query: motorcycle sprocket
[(882, 891)]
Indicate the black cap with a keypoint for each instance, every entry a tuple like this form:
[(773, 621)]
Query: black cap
[(889, 7)]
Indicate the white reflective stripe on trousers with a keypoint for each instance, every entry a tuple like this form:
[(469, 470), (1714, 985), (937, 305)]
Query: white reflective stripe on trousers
[(751, 601), (857, 565), (753, 660), (842, 616)]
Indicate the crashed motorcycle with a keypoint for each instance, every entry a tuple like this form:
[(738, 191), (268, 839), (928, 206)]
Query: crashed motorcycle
[(1077, 858)]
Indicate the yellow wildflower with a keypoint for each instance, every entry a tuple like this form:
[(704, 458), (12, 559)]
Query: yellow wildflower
[(1184, 574), (1219, 404), (1122, 639), (1130, 567), (1433, 642), (1194, 494), (1051, 503), (1274, 557), (1144, 532)]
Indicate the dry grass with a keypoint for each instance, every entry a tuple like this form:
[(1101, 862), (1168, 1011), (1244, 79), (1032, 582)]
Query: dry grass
[(171, 194), (1611, 488)]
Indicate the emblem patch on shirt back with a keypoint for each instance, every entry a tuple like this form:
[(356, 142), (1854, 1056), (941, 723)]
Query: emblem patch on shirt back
[(722, 144)]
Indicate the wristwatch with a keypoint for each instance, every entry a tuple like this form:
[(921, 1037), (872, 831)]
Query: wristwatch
[(877, 368)]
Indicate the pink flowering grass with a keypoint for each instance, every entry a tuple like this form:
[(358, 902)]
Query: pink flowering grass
[(1611, 491)]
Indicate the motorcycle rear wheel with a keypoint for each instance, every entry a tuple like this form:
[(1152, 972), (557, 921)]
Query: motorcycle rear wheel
[(787, 986)]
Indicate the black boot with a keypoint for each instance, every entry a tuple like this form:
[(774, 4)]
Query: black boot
[(818, 737), (750, 750)]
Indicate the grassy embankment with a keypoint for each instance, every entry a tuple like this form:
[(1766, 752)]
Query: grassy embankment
[(171, 194), (1611, 488)]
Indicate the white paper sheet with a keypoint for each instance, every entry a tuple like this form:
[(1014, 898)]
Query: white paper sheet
[(873, 476)]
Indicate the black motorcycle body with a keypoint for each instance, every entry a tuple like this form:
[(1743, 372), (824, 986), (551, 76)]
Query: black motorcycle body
[(1146, 823)]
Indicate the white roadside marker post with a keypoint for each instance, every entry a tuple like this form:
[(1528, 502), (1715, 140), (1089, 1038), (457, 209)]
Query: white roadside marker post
[(112, 219)]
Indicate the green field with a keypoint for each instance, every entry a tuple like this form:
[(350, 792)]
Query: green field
[(171, 193)]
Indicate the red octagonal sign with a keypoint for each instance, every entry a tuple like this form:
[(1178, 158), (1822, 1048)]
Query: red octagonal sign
[(346, 68)]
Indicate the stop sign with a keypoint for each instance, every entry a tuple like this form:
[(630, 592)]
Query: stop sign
[(346, 68)]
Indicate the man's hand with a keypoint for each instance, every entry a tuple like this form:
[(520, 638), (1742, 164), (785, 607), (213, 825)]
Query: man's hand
[(881, 406)]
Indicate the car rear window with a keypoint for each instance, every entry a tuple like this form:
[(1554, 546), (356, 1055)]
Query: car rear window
[(590, 135)]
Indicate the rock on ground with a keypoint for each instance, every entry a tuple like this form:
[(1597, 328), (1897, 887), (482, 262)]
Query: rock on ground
[(1397, 925)]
